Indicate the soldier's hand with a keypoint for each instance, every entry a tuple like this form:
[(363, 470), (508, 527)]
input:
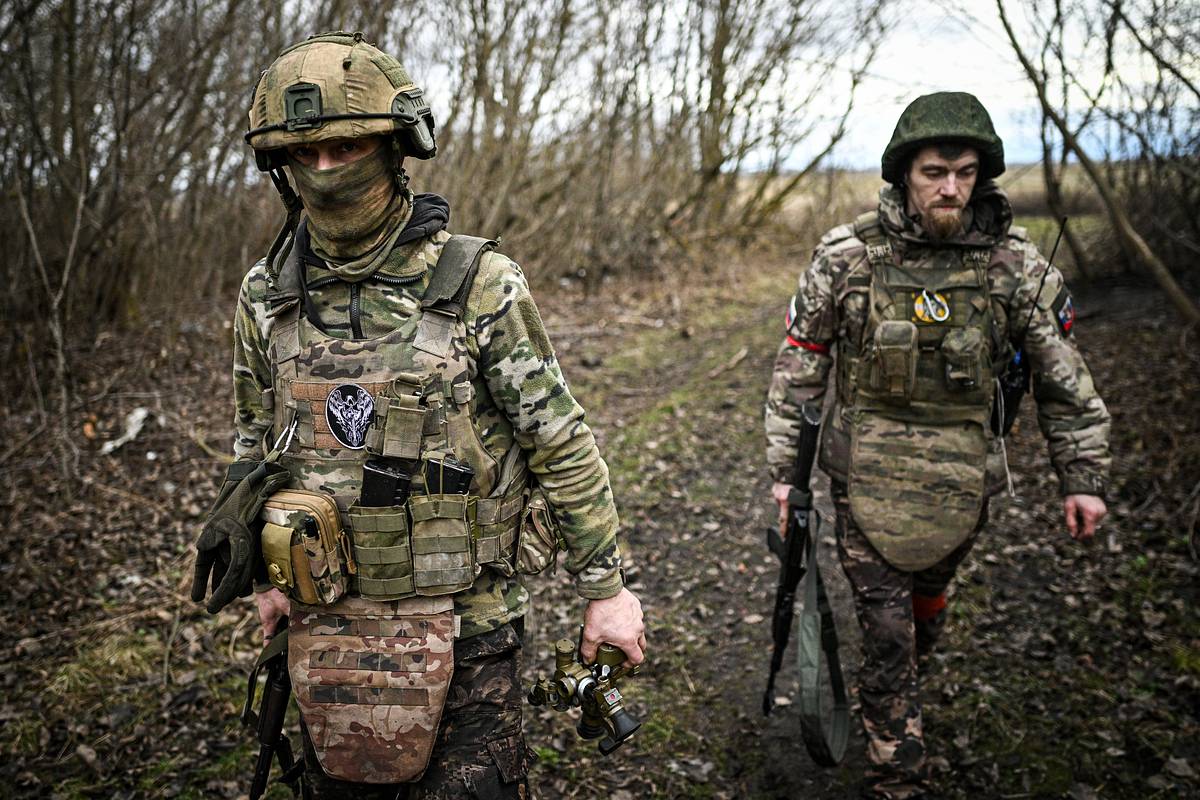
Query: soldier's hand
[(780, 492), (618, 621), (272, 607), (1083, 512)]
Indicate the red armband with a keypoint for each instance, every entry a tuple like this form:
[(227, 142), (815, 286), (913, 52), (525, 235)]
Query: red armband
[(788, 319), (823, 349)]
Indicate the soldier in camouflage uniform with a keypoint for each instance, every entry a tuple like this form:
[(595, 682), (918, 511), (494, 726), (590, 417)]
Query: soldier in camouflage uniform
[(342, 321), (918, 307)]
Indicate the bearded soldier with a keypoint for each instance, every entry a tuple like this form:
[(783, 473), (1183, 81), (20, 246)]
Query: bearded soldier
[(401, 382), (920, 306)]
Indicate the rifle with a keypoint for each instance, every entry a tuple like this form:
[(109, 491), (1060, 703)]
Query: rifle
[(818, 632), (268, 722)]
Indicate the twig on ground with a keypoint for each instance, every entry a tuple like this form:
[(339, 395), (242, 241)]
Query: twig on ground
[(137, 498), (246, 619), (197, 436), (166, 668), (688, 678), (728, 365), (100, 623)]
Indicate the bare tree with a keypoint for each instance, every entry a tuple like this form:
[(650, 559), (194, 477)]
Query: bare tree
[(1148, 181), (596, 138)]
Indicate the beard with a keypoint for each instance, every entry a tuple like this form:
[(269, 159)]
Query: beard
[(943, 222)]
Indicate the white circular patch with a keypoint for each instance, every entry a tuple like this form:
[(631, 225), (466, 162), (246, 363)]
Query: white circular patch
[(348, 410)]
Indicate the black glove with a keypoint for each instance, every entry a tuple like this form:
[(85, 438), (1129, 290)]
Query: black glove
[(226, 549)]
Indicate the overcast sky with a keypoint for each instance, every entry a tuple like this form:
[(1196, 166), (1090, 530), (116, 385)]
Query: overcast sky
[(943, 47)]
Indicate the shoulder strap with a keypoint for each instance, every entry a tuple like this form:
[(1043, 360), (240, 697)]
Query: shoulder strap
[(454, 273), (819, 641), (868, 228), (284, 273)]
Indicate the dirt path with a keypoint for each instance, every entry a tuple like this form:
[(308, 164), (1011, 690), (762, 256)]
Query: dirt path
[(1053, 679), (679, 413), (1067, 671)]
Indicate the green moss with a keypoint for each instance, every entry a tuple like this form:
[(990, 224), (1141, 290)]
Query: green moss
[(1186, 657), (125, 657), (547, 756)]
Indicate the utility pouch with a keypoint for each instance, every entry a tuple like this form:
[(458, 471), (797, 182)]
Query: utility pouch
[(287, 561), (382, 551), (307, 552), (541, 539), (443, 547), (963, 350), (396, 429), (894, 371), (497, 530)]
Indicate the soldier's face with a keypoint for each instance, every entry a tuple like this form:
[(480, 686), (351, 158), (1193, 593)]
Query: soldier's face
[(940, 182), (334, 152)]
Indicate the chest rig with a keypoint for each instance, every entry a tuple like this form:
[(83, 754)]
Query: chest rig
[(405, 395), (371, 670), (918, 389)]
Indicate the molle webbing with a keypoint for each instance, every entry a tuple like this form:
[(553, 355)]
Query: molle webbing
[(925, 351), (417, 378)]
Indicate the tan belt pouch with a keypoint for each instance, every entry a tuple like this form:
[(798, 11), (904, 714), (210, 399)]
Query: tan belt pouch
[(540, 540), (371, 680), (306, 550)]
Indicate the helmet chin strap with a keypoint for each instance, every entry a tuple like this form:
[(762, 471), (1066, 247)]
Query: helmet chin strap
[(401, 175), (293, 204)]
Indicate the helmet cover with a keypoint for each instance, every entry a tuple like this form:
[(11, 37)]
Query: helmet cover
[(333, 86), (943, 117)]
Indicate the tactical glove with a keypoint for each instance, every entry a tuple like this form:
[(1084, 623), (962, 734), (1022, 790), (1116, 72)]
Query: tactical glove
[(227, 550)]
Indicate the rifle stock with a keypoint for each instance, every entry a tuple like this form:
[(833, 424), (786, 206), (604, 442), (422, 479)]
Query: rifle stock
[(268, 722), (797, 552)]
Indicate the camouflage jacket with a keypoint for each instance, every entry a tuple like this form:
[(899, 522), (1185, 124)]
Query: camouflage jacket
[(521, 393), (826, 309)]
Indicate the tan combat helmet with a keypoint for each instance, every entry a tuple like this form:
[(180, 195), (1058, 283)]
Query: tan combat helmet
[(336, 85)]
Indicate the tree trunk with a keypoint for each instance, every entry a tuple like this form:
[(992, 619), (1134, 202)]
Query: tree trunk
[(1116, 214)]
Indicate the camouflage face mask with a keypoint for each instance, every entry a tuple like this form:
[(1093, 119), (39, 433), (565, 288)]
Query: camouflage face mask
[(352, 209)]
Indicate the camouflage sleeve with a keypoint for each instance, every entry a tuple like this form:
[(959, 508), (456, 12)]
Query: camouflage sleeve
[(251, 367), (523, 376), (802, 362), (1070, 412)]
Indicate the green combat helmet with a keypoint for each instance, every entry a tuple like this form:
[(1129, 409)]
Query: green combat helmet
[(944, 116), (336, 85)]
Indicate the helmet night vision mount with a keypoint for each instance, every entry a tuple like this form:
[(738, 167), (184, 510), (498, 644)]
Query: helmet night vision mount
[(334, 86)]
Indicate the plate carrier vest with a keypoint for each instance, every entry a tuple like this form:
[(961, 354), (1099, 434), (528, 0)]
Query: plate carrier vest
[(917, 391), (372, 669), (418, 378)]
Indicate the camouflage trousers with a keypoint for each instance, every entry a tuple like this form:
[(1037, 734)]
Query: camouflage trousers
[(480, 751), (888, 690)]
